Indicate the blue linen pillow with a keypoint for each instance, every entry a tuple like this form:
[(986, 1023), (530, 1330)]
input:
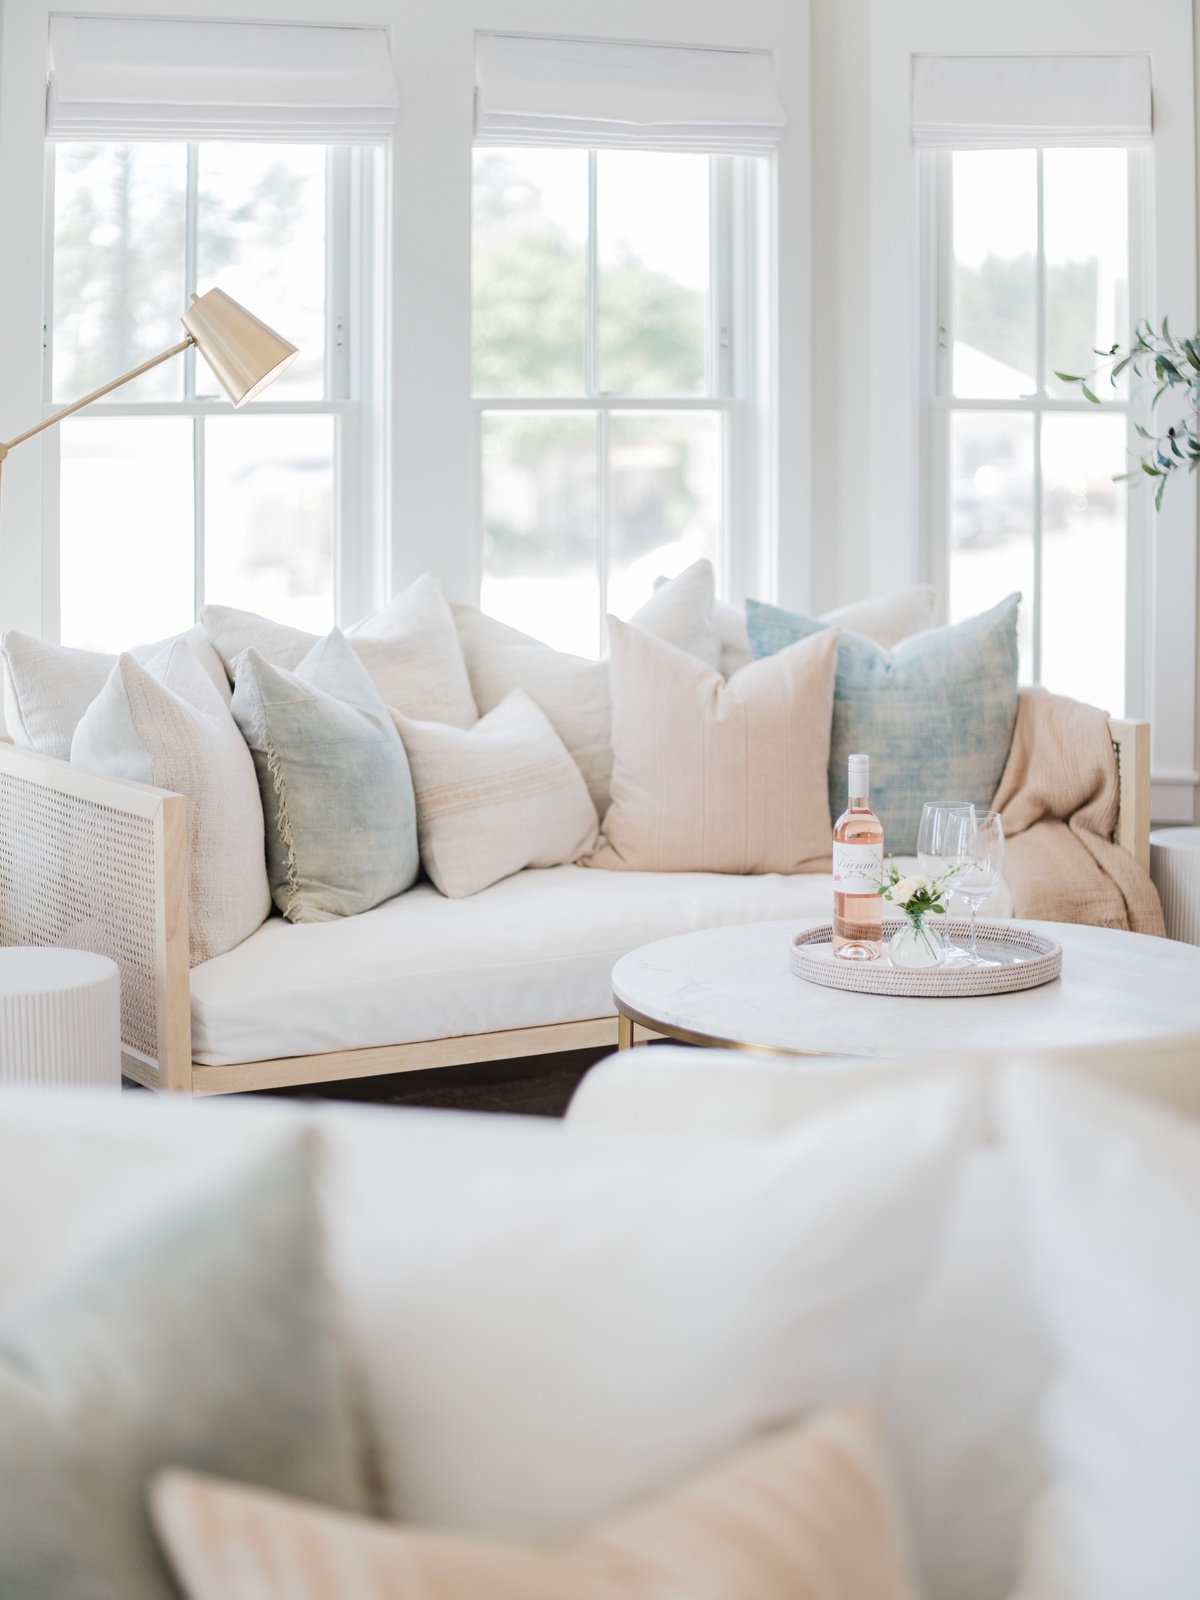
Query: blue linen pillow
[(936, 715), (204, 1337), (337, 793)]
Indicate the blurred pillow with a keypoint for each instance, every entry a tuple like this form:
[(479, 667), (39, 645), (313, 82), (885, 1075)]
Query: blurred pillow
[(710, 776), (165, 724), (48, 687), (410, 648), (497, 797), (805, 1514), (572, 1319), (936, 716), (336, 790), (572, 691), (1110, 1191), (201, 1338)]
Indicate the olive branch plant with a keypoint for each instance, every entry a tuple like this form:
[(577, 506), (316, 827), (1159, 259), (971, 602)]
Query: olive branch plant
[(1170, 363)]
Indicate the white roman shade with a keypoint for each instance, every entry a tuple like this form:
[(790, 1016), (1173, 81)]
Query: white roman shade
[(598, 94), (154, 78), (1026, 102)]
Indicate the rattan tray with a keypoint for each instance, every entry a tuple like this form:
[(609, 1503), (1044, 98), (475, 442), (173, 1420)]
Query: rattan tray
[(1026, 959)]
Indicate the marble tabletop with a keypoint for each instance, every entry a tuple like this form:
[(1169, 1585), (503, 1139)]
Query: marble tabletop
[(733, 986)]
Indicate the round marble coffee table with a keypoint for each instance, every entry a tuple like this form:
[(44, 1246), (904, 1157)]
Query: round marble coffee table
[(733, 987)]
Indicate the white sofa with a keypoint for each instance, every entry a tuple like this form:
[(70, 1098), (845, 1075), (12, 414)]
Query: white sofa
[(959, 1382), (421, 981)]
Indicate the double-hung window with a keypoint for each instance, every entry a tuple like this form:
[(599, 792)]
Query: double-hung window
[(166, 497), (1033, 266), (609, 334)]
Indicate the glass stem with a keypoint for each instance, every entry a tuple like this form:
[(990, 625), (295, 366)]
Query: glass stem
[(974, 949)]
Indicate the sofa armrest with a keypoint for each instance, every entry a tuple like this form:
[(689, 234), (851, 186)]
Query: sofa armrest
[(1131, 742), (97, 863)]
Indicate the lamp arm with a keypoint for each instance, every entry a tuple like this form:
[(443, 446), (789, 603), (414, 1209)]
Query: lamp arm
[(48, 422)]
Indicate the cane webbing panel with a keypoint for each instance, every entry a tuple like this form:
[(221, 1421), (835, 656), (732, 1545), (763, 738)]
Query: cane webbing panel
[(77, 873)]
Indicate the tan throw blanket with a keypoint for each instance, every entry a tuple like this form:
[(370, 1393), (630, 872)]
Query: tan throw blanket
[(1058, 798)]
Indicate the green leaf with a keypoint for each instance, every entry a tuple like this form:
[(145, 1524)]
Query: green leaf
[(1123, 477), (1087, 393), (1192, 354), (1144, 432), (1159, 494), (1166, 329), (1068, 377), (1151, 472)]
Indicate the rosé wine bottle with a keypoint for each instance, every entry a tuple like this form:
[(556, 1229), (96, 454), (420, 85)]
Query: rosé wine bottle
[(857, 871)]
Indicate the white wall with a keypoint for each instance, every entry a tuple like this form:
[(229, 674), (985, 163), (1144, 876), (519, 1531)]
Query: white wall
[(432, 520)]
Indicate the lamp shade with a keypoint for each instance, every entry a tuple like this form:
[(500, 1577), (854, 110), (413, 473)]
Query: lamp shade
[(243, 352)]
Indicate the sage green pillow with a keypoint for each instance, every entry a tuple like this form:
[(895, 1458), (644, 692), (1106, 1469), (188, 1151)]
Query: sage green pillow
[(935, 715), (205, 1338), (337, 793)]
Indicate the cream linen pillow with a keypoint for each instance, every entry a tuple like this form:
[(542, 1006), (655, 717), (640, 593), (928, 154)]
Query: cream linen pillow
[(681, 612), (495, 798), (167, 725), (410, 648), (710, 776), (48, 687), (572, 691), (806, 1514)]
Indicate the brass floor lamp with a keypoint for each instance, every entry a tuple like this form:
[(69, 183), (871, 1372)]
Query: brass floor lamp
[(243, 352)]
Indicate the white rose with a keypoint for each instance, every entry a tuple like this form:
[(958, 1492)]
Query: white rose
[(901, 893)]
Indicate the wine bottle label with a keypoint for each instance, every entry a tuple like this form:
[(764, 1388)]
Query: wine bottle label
[(857, 868)]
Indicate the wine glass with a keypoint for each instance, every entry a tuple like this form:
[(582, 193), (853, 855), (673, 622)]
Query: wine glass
[(975, 843), (935, 856)]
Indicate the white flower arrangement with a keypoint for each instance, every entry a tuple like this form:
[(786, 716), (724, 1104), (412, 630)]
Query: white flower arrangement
[(917, 897)]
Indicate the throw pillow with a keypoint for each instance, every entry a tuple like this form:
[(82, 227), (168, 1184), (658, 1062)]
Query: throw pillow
[(497, 797), (1111, 1211), (410, 648), (336, 790), (887, 620), (889, 617), (165, 724), (203, 1338), (48, 687), (572, 1319), (572, 691), (804, 1515), (680, 611), (710, 776), (936, 716)]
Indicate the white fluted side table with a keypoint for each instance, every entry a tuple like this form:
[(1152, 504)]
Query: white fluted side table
[(60, 1018), (1175, 868)]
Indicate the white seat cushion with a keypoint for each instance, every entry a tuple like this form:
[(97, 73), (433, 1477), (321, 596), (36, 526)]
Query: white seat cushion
[(536, 948)]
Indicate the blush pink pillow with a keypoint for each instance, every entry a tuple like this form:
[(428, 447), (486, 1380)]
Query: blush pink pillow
[(716, 776), (806, 1514)]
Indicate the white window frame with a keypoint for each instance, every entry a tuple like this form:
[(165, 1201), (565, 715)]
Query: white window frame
[(732, 381), (355, 381), (940, 404)]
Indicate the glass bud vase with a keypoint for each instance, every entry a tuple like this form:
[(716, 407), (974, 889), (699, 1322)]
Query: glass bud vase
[(917, 944)]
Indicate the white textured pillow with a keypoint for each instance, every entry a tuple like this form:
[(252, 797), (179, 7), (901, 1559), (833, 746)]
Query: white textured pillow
[(710, 776), (572, 691), (48, 687), (890, 617), (680, 611), (410, 648), (1111, 1206), (497, 797), (166, 724), (570, 1319)]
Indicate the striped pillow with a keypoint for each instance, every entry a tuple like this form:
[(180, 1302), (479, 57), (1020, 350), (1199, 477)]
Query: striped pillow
[(807, 1514)]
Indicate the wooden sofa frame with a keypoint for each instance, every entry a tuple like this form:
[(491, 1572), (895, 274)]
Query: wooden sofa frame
[(99, 863)]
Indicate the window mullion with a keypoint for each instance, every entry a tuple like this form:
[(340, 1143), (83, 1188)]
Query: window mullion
[(589, 349), (602, 520), (191, 257)]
